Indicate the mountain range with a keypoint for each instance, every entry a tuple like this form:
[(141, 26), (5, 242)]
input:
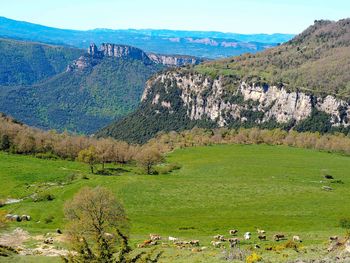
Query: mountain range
[(62, 88), (194, 43), (303, 84)]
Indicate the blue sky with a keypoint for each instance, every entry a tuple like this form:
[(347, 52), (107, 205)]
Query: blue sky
[(241, 16)]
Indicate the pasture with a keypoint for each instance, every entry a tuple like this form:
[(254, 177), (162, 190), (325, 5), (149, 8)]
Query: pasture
[(275, 188)]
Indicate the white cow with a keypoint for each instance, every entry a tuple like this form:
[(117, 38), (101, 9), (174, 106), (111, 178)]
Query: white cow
[(247, 235)]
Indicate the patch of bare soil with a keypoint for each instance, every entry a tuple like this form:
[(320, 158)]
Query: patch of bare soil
[(15, 238)]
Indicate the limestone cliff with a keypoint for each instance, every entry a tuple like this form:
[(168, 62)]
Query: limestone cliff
[(174, 60), (224, 101), (128, 52)]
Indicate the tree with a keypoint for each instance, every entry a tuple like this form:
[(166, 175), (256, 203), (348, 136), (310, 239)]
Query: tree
[(88, 156), (96, 223), (105, 151), (97, 229), (148, 157)]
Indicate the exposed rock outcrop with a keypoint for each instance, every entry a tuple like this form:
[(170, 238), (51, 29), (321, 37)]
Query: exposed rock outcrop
[(94, 54), (223, 101), (174, 60), (123, 51)]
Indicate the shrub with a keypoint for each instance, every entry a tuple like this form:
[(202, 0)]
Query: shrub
[(49, 219), (85, 177), (168, 168), (337, 182), (344, 223), (46, 156), (71, 177), (253, 258), (44, 196)]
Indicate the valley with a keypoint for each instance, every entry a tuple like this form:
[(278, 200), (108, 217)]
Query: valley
[(201, 200), (174, 132)]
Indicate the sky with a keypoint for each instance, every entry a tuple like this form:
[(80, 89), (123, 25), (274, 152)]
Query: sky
[(238, 16)]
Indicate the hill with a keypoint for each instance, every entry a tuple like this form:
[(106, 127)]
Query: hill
[(302, 84), (193, 43), (91, 92), (25, 63), (270, 187)]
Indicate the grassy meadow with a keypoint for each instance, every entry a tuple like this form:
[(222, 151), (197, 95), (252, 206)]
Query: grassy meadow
[(275, 188)]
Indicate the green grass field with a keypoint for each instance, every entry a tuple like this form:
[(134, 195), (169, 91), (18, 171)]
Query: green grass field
[(276, 188)]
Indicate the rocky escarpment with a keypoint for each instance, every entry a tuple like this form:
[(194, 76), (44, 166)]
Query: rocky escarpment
[(94, 54), (226, 101), (174, 60)]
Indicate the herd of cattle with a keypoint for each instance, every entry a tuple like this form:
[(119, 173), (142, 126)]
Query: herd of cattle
[(218, 240)]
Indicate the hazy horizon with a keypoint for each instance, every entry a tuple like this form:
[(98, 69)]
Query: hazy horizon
[(239, 16)]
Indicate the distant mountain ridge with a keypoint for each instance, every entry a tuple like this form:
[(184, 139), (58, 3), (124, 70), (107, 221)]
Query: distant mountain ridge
[(193, 43), (129, 52), (303, 85)]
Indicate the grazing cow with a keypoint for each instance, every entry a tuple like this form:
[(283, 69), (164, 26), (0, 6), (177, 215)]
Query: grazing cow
[(25, 218), (59, 231), (278, 237), (333, 238), (233, 242), (233, 232), (262, 237), (8, 216), (219, 237), (260, 231), (216, 243), (174, 239), (256, 246), (247, 235), (15, 218), (179, 243), (194, 243), (48, 241), (154, 237), (145, 243), (297, 239)]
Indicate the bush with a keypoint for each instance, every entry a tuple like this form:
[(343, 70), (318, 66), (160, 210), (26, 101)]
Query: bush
[(49, 219), (45, 196), (344, 223), (85, 177), (71, 177), (253, 258), (337, 182), (168, 168), (46, 156)]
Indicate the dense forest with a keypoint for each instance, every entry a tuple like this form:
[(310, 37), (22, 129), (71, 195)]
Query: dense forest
[(23, 63)]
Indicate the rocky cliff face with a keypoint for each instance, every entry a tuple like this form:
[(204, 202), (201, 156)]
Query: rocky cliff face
[(224, 101), (128, 52), (174, 60)]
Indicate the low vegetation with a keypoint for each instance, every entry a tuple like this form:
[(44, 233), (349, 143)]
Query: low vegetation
[(274, 188)]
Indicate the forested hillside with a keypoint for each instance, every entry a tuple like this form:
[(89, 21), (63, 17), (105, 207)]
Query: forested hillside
[(80, 99), (316, 61), (23, 63)]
